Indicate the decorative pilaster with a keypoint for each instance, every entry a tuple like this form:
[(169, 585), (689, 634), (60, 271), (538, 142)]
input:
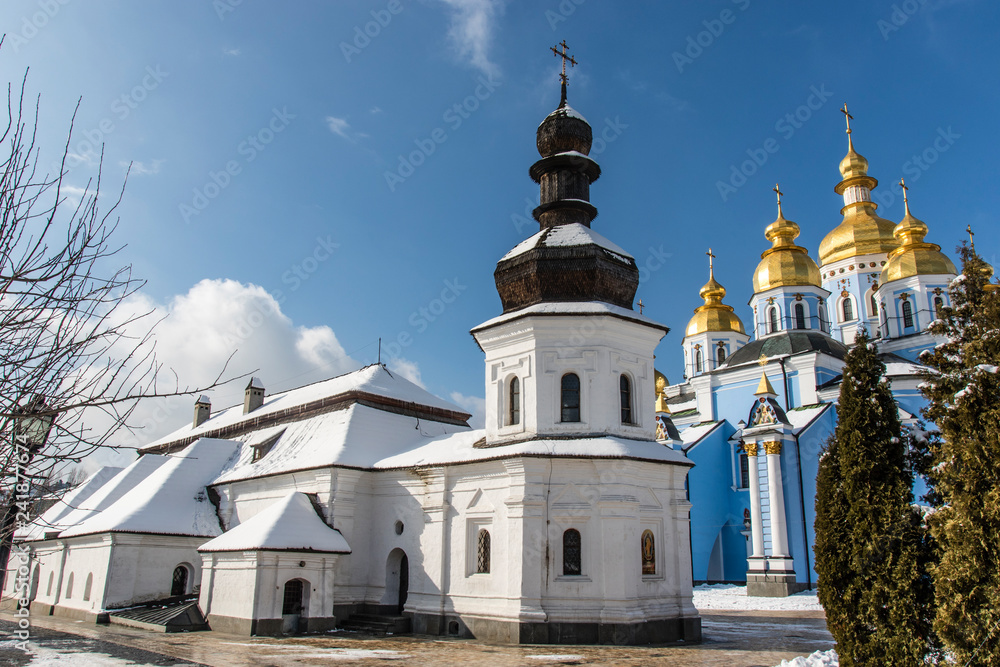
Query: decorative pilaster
[(756, 560), (776, 495)]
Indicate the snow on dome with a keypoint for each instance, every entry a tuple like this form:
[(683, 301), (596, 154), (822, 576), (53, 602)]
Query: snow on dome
[(573, 234), (55, 517), (373, 379), (170, 501), (291, 524), (566, 111)]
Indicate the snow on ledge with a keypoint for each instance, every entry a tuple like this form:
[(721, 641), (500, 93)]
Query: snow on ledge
[(573, 234), (572, 308)]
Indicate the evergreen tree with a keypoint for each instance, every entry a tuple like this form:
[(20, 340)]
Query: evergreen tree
[(870, 549), (964, 402)]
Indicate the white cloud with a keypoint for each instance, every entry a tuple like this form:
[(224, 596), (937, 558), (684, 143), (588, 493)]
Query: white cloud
[(143, 168), (408, 369), (341, 127), (375, 110), (198, 332), (475, 405), (231, 52), (471, 30)]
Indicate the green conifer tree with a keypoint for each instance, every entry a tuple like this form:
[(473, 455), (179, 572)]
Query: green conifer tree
[(869, 541), (964, 401)]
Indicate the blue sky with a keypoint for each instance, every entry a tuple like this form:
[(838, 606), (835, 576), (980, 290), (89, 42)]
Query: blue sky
[(266, 140)]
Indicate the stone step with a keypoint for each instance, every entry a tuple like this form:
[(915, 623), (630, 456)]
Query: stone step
[(376, 624)]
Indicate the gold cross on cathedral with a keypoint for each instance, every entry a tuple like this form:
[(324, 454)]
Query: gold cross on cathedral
[(847, 116), (562, 77), (972, 242), (641, 306), (778, 191), (711, 265), (906, 200)]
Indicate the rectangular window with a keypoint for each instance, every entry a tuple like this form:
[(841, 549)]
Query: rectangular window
[(744, 471)]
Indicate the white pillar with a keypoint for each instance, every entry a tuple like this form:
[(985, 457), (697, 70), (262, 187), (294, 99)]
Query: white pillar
[(756, 520), (776, 494)]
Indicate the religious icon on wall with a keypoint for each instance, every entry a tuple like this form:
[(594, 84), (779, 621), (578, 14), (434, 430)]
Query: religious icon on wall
[(648, 553)]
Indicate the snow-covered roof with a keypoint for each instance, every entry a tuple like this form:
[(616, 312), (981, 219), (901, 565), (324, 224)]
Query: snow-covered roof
[(54, 518), (572, 308), (357, 437), (458, 448), (290, 524), (573, 234), (693, 434), (172, 500), (373, 379), (799, 418)]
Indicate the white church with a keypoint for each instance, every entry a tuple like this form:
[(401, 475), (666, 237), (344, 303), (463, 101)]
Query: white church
[(365, 499)]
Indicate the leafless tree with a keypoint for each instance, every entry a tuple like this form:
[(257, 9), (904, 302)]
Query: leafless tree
[(71, 349)]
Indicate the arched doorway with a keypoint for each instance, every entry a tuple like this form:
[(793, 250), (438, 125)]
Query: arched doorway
[(397, 580), (294, 605), (178, 585)]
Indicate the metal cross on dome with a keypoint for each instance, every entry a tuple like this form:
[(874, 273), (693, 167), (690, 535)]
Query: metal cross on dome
[(562, 77), (972, 242), (847, 116)]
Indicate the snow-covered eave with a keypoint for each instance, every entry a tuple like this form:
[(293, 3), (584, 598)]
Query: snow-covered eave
[(820, 411), (534, 455), (571, 308), (298, 550), (126, 531), (700, 438), (334, 403)]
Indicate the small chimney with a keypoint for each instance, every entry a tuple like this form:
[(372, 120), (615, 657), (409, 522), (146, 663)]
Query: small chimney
[(202, 410), (254, 397)]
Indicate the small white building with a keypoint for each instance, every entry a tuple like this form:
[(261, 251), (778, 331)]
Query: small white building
[(563, 521)]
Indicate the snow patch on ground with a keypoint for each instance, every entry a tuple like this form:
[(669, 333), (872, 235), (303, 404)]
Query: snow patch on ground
[(556, 658), (730, 597), (817, 659)]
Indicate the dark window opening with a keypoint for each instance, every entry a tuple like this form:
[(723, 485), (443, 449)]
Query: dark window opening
[(772, 315), (179, 584), (291, 604), (483, 552), (515, 401), (907, 315), (572, 552), (848, 308), (800, 316), (625, 387), (570, 398), (744, 471)]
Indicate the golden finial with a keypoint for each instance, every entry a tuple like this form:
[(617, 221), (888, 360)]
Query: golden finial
[(562, 77), (906, 201), (641, 305), (711, 265), (972, 242), (762, 360), (778, 191)]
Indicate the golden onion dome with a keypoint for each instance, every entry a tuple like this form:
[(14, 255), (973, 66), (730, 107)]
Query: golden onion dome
[(713, 315), (784, 263), (661, 385), (862, 231), (914, 257)]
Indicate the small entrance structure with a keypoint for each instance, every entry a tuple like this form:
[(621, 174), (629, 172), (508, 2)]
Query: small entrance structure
[(273, 574)]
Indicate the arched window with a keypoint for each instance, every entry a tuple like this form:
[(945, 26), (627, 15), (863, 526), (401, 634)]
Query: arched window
[(87, 586), (291, 602), (874, 305), (572, 552), (772, 320), (907, 315), (69, 586), (824, 325), (744, 471), (648, 552), (514, 414), (483, 551), (178, 585), (847, 309), (570, 398), (800, 316), (720, 355), (697, 361), (938, 305), (885, 324), (48, 589), (625, 390)]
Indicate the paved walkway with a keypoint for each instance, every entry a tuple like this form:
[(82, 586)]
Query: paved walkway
[(733, 639)]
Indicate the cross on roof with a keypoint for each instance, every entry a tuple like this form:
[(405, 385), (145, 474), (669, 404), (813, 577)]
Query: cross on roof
[(641, 305), (847, 116), (779, 192), (711, 266), (972, 242), (906, 201), (562, 77)]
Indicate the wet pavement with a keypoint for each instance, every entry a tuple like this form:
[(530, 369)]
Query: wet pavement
[(734, 639)]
